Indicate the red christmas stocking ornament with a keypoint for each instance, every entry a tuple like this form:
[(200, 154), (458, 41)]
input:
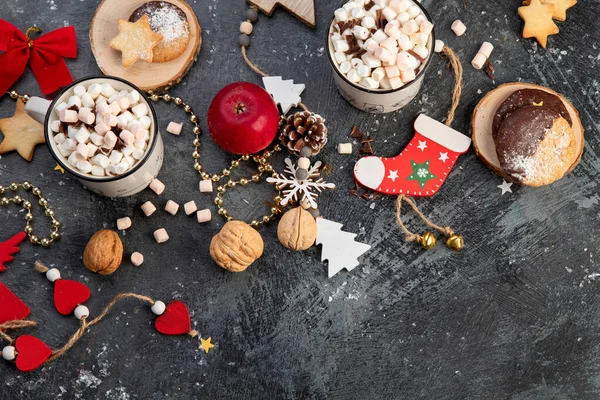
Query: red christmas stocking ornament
[(421, 168), (10, 247), (11, 306)]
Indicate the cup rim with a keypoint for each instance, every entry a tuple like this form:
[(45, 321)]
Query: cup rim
[(69, 168), (385, 91)]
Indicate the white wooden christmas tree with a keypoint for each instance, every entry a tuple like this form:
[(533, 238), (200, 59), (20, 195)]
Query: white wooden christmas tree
[(339, 247)]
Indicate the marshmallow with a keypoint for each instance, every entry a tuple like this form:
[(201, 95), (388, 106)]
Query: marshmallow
[(368, 22), (479, 61), (127, 137), (73, 159), (140, 110), (339, 56), (122, 167), (408, 75), (356, 62), (138, 154), (123, 102), (419, 39), (382, 54), (133, 126), (110, 120), (394, 33), (139, 144), (403, 18), (107, 90), (130, 161), (94, 90), (358, 13), (101, 128), (439, 46), (174, 128), (71, 144), (137, 259), (133, 97), (413, 11), (385, 84), (353, 76), (426, 27), (458, 27), (128, 150), (203, 216), (390, 44), (123, 223), (396, 82), (341, 45), (160, 235), (340, 15), (364, 71), (145, 121), (378, 74), (63, 150), (98, 171), (171, 207), (84, 166), (55, 126), (102, 108), (101, 100), (79, 90), (420, 18), (142, 134), (60, 107), (101, 160), (392, 72), (82, 152), (360, 32), (69, 116), (82, 135), (86, 115), (110, 170), (110, 139), (190, 207), (206, 186), (389, 13), (371, 61), (421, 51), (410, 27), (404, 42), (74, 101), (87, 100), (348, 6), (114, 108), (369, 83), (486, 49), (345, 148), (157, 186), (148, 208), (379, 36), (115, 157), (59, 138), (345, 67)]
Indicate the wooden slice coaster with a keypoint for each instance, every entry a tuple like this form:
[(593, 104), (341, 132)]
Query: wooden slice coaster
[(147, 76), (483, 115)]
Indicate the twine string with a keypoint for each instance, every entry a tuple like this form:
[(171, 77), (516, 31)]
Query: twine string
[(456, 66), (15, 324)]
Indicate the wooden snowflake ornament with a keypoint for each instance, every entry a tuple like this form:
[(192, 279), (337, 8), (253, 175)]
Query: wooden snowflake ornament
[(299, 190), (303, 9), (339, 247), (284, 93)]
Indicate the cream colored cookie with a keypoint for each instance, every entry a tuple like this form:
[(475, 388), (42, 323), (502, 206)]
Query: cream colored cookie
[(136, 41)]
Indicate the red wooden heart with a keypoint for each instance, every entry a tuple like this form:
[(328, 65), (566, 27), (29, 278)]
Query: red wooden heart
[(10, 247), (32, 352), (175, 320), (68, 294), (11, 307)]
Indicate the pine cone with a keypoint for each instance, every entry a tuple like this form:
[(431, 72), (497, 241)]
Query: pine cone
[(304, 129)]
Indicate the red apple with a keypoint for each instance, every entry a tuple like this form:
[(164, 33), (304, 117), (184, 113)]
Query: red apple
[(243, 118)]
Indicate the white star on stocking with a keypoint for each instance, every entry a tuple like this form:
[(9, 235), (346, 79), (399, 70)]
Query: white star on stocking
[(505, 187), (443, 157), (422, 145), (393, 175)]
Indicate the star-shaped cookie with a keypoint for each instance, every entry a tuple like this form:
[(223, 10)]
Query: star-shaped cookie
[(21, 133), (538, 21), (135, 41), (560, 7)]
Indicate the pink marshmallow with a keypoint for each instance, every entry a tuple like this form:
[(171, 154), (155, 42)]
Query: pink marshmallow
[(115, 108), (127, 137), (426, 27), (171, 207), (157, 186), (458, 27), (408, 75), (110, 119), (174, 128), (123, 223), (392, 72), (410, 27), (190, 207), (102, 108), (203, 216), (69, 116), (110, 139), (383, 54), (123, 103), (101, 128), (86, 115), (396, 82), (148, 208), (161, 235)]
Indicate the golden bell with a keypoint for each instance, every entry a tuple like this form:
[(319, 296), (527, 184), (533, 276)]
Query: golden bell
[(455, 242), (428, 240)]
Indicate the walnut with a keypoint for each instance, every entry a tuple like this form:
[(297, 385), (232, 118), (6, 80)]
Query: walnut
[(297, 229), (236, 246), (104, 252)]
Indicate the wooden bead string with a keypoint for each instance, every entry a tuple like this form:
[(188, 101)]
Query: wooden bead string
[(456, 66), (83, 327)]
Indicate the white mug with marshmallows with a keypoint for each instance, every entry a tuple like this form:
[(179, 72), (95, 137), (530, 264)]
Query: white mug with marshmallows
[(138, 176)]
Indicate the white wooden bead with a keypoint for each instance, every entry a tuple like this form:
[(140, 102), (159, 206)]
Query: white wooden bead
[(53, 274), (158, 307), (190, 207), (81, 311), (345, 148), (137, 259), (303, 163), (148, 208), (203, 216), (9, 353), (206, 186), (458, 27), (157, 186), (171, 207), (123, 223), (161, 235), (439, 46)]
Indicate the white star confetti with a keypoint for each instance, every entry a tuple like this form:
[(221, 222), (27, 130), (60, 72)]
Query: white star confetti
[(296, 190), (505, 187)]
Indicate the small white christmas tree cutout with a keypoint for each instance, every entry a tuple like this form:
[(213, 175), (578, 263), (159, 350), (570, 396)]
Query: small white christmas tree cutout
[(339, 247), (285, 93)]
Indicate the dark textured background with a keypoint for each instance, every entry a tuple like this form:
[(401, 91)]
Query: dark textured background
[(514, 316)]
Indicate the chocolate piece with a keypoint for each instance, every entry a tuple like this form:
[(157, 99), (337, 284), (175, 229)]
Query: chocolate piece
[(520, 134), (153, 8), (527, 97)]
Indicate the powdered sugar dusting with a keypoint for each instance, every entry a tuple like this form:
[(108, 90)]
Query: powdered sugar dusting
[(169, 23)]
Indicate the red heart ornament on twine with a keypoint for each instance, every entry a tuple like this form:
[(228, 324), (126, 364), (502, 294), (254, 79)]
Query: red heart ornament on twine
[(175, 320), (11, 306), (10, 247), (32, 352), (69, 294)]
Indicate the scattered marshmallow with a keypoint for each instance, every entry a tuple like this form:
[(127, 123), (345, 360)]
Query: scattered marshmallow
[(137, 259), (161, 235), (157, 186), (203, 216), (171, 207), (486, 49), (190, 207), (439, 46), (458, 27), (345, 148), (123, 223), (174, 128), (206, 186), (478, 61), (148, 208)]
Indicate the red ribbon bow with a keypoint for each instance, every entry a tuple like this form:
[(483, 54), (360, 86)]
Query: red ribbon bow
[(45, 55)]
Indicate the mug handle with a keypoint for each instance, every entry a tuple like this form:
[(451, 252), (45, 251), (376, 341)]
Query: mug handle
[(37, 108)]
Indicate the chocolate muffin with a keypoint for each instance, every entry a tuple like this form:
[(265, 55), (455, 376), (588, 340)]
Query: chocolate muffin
[(171, 22), (535, 144)]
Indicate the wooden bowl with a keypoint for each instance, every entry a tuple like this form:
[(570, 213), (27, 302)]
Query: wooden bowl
[(147, 76), (483, 116)]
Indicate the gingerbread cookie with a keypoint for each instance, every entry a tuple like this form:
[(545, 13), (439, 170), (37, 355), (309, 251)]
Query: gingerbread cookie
[(528, 97), (535, 145), (136, 41), (560, 7), (21, 133), (538, 21), (171, 22)]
